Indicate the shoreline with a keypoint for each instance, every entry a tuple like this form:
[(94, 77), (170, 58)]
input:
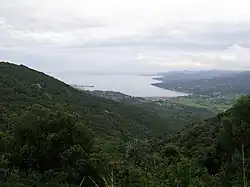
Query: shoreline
[(157, 98)]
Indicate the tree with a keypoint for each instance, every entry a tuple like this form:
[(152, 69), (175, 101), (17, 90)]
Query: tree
[(51, 140)]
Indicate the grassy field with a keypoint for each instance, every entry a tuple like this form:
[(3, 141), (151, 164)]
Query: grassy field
[(215, 104)]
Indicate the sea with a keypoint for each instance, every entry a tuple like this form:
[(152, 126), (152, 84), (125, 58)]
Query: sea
[(129, 84)]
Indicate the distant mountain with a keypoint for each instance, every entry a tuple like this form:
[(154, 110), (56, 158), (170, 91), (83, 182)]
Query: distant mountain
[(228, 83), (193, 75)]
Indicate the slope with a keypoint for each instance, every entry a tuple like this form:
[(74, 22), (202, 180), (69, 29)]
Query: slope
[(54, 135), (221, 144), (45, 143), (22, 87), (176, 115)]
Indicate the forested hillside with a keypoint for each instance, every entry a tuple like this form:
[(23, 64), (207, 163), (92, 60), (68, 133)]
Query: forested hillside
[(22, 87), (54, 135), (221, 144), (177, 116)]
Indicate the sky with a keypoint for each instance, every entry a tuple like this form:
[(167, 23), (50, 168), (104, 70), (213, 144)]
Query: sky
[(125, 35)]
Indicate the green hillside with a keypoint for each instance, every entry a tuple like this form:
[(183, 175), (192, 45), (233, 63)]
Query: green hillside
[(177, 116), (54, 135), (43, 119), (22, 87), (221, 144)]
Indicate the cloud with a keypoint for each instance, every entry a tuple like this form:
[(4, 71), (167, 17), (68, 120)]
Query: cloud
[(97, 36), (234, 57)]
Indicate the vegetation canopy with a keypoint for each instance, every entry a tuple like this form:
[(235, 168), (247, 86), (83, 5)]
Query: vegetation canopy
[(54, 135)]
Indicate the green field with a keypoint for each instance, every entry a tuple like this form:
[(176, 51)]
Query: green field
[(215, 104)]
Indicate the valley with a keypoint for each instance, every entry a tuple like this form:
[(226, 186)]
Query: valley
[(53, 134), (216, 104)]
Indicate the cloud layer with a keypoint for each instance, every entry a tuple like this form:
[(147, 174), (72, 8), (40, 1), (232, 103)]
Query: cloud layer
[(126, 35)]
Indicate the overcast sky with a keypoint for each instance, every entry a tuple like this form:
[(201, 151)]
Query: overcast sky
[(125, 35)]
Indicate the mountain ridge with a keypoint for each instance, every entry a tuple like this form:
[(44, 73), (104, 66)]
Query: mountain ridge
[(227, 84)]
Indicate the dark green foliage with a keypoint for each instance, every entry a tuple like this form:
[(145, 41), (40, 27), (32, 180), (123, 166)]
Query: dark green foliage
[(45, 140), (54, 135), (220, 143), (175, 115), (241, 110), (21, 87), (47, 143)]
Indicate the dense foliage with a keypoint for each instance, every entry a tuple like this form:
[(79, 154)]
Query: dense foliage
[(42, 145), (21, 87), (176, 115), (54, 135), (221, 144)]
